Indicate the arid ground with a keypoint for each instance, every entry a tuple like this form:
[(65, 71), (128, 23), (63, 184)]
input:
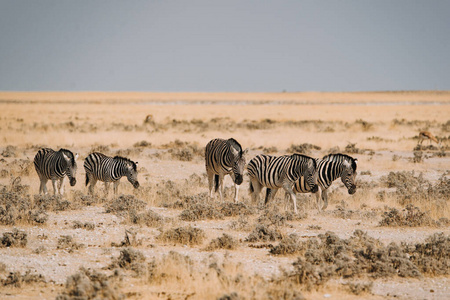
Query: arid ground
[(169, 240)]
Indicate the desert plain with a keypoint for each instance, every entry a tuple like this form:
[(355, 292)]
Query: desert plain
[(169, 240)]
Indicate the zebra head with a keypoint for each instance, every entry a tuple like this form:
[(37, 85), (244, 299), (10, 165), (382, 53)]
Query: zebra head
[(348, 175), (132, 173), (239, 163), (71, 170), (310, 174)]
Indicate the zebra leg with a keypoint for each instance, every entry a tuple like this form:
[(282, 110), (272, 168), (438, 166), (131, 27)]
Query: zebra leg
[(92, 183), (236, 191), (61, 186), (289, 190), (325, 199), (106, 189), (255, 189), (210, 183), (43, 186), (54, 186), (116, 187), (221, 187)]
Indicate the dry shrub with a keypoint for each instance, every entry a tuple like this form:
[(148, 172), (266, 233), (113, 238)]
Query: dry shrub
[(232, 209), (148, 218), (90, 284), (223, 242), (200, 211), (264, 233), (410, 216), (342, 211), (130, 259), (87, 225), (10, 151), (142, 144), (327, 256), (16, 279), (433, 256), (273, 216), (365, 125), (304, 148), (80, 199), (124, 204), (184, 151), (411, 189), (51, 203), (241, 224), (68, 243), (359, 288), (183, 235), (288, 245), (16, 238), (351, 149)]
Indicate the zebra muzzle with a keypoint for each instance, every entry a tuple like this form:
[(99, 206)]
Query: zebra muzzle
[(352, 190), (73, 181), (238, 179), (315, 188), (136, 184)]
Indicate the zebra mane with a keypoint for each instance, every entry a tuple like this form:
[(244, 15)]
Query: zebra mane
[(69, 154), (343, 156), (126, 160), (304, 157), (233, 143)]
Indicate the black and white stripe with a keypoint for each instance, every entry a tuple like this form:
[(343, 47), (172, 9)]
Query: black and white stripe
[(275, 172), (100, 167), (55, 165), (224, 157), (330, 168)]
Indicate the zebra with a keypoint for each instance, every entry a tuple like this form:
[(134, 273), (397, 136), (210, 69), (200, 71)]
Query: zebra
[(224, 157), (109, 169), (55, 165), (330, 168), (274, 172)]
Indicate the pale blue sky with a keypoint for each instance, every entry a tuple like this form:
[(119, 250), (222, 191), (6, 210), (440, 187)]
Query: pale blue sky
[(215, 46)]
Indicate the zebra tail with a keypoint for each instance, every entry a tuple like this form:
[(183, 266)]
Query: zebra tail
[(216, 183), (87, 180)]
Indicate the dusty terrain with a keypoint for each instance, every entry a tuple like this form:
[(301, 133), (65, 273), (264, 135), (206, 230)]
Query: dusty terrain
[(168, 240)]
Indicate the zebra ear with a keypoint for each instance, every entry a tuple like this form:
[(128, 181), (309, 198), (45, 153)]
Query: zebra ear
[(356, 161), (245, 152), (76, 155), (66, 157), (346, 164)]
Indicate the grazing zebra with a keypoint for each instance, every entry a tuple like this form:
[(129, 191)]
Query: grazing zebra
[(224, 157), (54, 165), (109, 169), (274, 172), (330, 168)]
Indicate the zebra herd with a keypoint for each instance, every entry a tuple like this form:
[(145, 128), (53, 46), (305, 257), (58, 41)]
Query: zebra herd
[(55, 165), (294, 173)]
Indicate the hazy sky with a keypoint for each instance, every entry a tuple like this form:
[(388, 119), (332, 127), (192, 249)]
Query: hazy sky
[(243, 46)]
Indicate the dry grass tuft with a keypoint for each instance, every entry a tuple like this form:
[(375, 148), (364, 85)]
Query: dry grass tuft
[(16, 238), (433, 256), (148, 218), (223, 242), (90, 284), (68, 243), (288, 246), (17, 280), (304, 148), (124, 204), (264, 233), (183, 235), (130, 259)]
